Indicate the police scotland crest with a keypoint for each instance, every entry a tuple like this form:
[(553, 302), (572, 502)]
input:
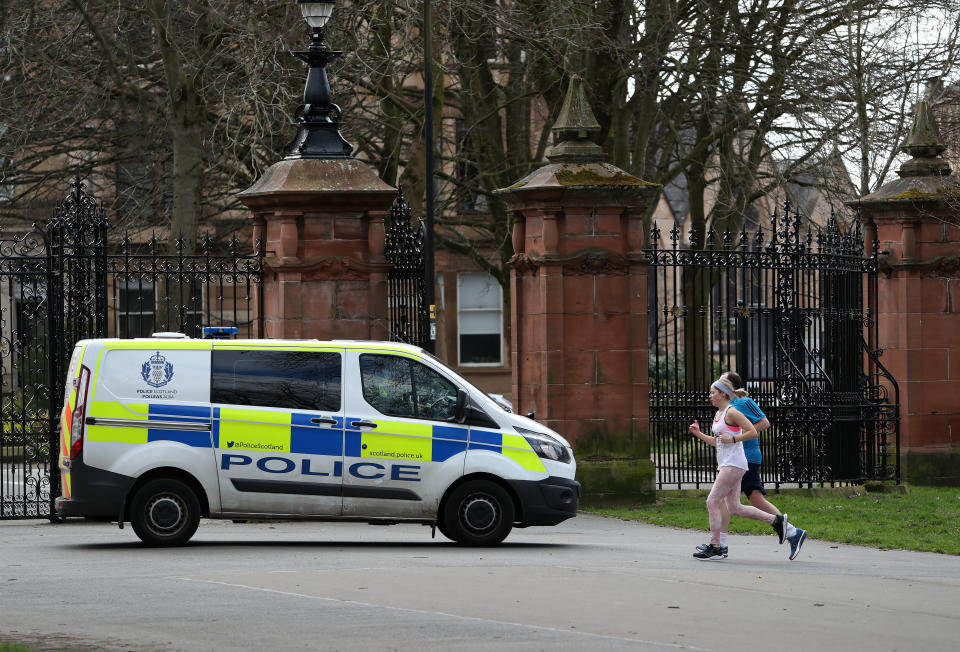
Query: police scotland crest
[(156, 371)]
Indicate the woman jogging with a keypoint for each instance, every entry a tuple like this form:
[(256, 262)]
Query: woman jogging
[(729, 425), (751, 484)]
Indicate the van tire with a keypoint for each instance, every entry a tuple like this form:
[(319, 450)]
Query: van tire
[(444, 530), (478, 513), (165, 512)]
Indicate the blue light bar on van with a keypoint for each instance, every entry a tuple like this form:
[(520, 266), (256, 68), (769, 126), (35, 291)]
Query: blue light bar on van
[(220, 332)]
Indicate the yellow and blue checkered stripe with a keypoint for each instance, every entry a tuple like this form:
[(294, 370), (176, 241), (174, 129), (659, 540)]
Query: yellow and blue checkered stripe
[(147, 412), (242, 428)]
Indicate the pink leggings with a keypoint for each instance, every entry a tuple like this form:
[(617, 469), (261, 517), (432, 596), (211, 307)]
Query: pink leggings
[(726, 488)]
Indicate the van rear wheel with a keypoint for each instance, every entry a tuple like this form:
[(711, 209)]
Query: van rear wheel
[(165, 512), (478, 513)]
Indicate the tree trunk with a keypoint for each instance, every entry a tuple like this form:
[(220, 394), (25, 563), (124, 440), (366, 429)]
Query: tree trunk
[(187, 123)]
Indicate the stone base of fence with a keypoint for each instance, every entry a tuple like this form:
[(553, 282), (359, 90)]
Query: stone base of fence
[(616, 482), (933, 467)]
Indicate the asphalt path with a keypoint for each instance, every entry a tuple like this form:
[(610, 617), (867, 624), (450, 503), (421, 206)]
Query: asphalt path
[(591, 583)]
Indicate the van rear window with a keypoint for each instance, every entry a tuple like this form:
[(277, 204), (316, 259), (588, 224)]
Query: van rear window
[(296, 380)]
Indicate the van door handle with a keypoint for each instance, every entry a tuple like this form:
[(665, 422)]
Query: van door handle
[(363, 424), (319, 420)]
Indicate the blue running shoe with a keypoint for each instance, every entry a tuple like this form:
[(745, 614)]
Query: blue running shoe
[(703, 548), (795, 542)]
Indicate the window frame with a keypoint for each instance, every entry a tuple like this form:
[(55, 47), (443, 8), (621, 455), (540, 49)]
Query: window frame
[(121, 283), (126, 283), (460, 311)]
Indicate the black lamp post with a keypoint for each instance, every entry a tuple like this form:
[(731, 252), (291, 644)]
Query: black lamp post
[(429, 271), (318, 118)]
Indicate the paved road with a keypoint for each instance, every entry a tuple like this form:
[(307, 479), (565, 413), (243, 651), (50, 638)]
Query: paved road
[(589, 584)]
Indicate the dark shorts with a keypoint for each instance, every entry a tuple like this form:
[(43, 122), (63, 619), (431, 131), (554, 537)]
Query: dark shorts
[(750, 481)]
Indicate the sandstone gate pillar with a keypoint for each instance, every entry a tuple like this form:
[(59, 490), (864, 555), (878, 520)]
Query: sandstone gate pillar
[(915, 220), (321, 223), (579, 306)]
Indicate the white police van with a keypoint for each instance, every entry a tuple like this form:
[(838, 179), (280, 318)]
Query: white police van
[(161, 431)]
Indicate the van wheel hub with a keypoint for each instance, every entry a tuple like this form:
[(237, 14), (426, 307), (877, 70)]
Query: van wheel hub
[(165, 513), (480, 513)]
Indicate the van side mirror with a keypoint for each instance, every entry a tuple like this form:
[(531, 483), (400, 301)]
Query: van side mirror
[(460, 414), (529, 414)]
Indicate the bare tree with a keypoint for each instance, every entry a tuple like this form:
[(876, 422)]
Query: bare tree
[(173, 106)]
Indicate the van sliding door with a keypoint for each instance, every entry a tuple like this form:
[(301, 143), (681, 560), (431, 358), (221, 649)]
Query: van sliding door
[(278, 428)]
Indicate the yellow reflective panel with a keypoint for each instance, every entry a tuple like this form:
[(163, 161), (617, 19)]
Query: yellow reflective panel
[(396, 447), (96, 373), (258, 430), (117, 434), (517, 449), (404, 428), (118, 410)]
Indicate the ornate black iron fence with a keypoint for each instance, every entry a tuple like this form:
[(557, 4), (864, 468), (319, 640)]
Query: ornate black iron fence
[(28, 335), (795, 316), (407, 312), (67, 282)]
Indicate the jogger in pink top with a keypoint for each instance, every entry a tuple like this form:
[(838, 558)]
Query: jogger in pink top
[(729, 425)]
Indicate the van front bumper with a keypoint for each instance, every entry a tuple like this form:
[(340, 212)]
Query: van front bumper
[(546, 502)]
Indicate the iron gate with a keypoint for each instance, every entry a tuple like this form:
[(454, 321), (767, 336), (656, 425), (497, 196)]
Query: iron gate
[(407, 314), (27, 338), (67, 282), (795, 316)]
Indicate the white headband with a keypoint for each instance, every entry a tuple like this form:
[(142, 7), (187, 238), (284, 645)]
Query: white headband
[(722, 388)]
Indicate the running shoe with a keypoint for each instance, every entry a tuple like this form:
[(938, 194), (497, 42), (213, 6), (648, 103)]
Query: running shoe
[(795, 542), (703, 547), (780, 526), (712, 552)]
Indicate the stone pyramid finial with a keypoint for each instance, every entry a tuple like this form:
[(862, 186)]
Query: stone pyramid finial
[(924, 145), (575, 128)]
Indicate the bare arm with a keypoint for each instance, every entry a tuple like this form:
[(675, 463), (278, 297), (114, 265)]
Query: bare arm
[(747, 431), (758, 427), (696, 432)]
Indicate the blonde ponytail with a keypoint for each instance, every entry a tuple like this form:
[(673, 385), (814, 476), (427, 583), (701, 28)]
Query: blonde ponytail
[(741, 393)]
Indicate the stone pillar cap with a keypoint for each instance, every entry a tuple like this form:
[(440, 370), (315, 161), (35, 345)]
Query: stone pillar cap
[(342, 182), (924, 145), (575, 128)]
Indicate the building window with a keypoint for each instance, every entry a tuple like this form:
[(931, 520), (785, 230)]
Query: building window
[(6, 174), (6, 182), (136, 307), (469, 197), (480, 319)]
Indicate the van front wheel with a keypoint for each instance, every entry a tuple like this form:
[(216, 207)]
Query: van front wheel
[(478, 513), (165, 512)]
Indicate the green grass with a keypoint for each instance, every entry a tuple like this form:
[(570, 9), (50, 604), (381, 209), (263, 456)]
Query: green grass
[(13, 647), (925, 519)]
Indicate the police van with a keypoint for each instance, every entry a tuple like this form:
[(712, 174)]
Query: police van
[(162, 431)]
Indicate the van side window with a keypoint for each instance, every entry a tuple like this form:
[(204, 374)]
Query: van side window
[(405, 388), (297, 380)]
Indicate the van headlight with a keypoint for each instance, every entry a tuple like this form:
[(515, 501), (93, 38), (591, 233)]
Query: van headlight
[(544, 445)]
